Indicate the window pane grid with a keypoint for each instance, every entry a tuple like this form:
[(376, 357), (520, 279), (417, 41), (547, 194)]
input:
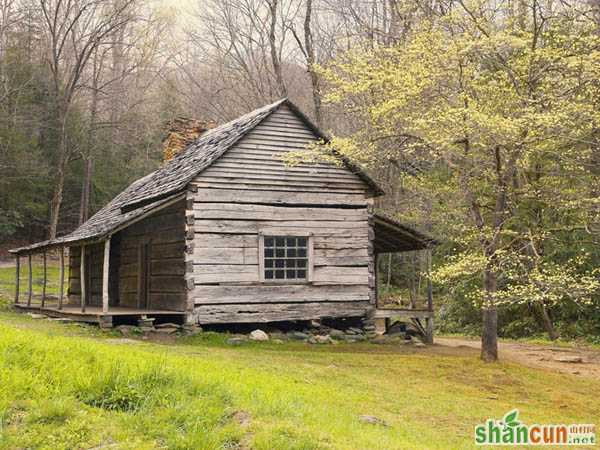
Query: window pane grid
[(285, 258)]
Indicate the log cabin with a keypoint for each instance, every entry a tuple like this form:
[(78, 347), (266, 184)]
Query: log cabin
[(226, 232)]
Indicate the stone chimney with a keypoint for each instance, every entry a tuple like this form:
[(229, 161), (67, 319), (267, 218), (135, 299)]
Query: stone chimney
[(183, 131)]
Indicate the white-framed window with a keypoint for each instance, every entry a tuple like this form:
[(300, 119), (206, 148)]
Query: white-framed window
[(285, 257)]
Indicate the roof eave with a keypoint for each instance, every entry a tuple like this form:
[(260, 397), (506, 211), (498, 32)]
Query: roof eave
[(424, 240), (49, 244)]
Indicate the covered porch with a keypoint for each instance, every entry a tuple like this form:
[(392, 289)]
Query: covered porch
[(411, 299), (58, 303), (132, 274)]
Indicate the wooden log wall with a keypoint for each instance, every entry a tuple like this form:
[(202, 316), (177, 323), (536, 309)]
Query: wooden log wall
[(164, 232), (250, 191), (94, 254)]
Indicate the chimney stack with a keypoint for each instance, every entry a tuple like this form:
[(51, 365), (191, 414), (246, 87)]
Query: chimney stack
[(182, 132)]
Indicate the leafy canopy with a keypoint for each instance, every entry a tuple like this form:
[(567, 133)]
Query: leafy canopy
[(494, 106)]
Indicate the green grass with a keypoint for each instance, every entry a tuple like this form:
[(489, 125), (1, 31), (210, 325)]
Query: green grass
[(76, 387), (7, 278), (69, 387)]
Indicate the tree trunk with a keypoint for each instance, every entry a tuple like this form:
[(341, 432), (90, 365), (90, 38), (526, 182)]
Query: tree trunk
[(86, 187), (489, 332), (59, 186), (547, 323), (275, 58), (56, 202), (310, 62), (394, 28)]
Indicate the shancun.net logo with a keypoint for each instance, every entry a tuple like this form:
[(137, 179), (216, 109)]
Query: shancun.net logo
[(510, 431)]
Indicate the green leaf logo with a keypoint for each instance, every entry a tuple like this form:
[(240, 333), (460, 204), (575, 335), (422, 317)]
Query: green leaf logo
[(510, 418)]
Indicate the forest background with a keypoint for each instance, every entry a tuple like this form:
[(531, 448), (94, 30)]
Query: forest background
[(479, 119)]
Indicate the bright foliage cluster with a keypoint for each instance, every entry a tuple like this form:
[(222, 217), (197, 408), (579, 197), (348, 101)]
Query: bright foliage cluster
[(495, 108)]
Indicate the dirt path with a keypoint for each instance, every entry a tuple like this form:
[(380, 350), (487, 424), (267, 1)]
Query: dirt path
[(578, 361)]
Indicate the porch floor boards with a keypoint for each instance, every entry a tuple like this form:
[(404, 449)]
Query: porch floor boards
[(92, 314)]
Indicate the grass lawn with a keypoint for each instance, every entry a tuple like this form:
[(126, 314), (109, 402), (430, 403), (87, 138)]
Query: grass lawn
[(7, 278), (71, 386)]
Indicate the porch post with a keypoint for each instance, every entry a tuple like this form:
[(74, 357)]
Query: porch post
[(414, 290), (105, 276), (429, 287), (376, 258), (61, 277), (82, 277), (429, 321), (17, 275), (44, 282), (30, 280)]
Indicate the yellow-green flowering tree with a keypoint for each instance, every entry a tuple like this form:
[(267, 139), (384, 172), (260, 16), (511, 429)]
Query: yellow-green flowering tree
[(496, 104)]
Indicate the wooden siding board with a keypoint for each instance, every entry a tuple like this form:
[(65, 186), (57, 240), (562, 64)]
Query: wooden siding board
[(248, 184), (256, 164), (236, 255), (273, 312), (231, 211), (285, 188), (285, 117), (215, 240), (280, 180), (339, 242), (342, 228), (225, 273), (265, 196), (249, 255), (274, 153), (282, 174), (341, 261), (270, 158), (341, 275), (282, 121), (243, 273), (283, 139), (283, 293), (277, 130)]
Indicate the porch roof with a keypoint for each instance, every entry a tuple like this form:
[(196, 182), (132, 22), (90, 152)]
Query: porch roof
[(392, 236)]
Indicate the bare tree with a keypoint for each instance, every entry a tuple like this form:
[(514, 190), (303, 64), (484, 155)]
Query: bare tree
[(308, 50), (275, 54), (119, 64), (10, 16), (86, 186), (240, 55), (73, 30)]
